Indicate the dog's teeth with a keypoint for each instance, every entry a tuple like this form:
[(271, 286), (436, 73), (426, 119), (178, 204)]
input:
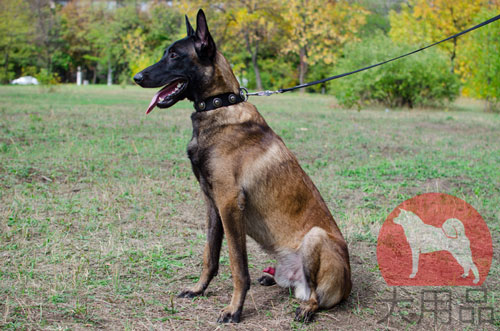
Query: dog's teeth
[(161, 99), (179, 85)]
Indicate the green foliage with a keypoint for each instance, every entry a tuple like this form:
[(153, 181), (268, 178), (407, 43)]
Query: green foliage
[(483, 80), (136, 52), (423, 21), (275, 73), (269, 44), (375, 23), (164, 26), (423, 79), (14, 31), (46, 77)]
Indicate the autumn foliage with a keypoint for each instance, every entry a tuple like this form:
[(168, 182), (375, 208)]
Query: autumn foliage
[(270, 44)]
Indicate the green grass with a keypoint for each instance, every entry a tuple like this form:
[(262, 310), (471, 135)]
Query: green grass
[(102, 222)]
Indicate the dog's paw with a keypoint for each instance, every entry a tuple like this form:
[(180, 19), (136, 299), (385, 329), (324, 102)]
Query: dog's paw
[(228, 316), (304, 315), (189, 294), (266, 280), (413, 275)]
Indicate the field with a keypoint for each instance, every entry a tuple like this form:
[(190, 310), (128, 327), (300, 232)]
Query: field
[(102, 221)]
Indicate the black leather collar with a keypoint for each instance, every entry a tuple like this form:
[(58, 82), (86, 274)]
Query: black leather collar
[(220, 100)]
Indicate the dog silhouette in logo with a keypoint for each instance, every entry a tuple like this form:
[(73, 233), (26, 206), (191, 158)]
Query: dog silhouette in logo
[(425, 238)]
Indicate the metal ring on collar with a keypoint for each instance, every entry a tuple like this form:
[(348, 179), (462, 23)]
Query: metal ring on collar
[(244, 93)]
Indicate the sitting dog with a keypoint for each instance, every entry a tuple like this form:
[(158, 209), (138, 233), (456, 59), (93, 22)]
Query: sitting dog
[(252, 184), (425, 238)]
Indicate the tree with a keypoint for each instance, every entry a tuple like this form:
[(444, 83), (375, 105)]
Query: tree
[(251, 25), (426, 21), (136, 52), (254, 22), (144, 43), (164, 25), (76, 24), (377, 19), (96, 34), (483, 74), (47, 27), (15, 29), (318, 29), (106, 34)]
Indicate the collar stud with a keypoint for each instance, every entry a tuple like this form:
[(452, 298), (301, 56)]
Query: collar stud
[(220, 100), (217, 102)]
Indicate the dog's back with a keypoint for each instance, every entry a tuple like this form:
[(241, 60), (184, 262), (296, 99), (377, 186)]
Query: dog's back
[(246, 152)]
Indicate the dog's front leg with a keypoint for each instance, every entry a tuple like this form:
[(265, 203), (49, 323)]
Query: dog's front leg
[(234, 228), (211, 252), (415, 254)]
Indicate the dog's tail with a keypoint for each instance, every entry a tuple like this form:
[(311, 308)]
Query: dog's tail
[(454, 228)]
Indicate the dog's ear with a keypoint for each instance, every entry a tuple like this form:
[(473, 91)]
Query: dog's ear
[(204, 44), (189, 28)]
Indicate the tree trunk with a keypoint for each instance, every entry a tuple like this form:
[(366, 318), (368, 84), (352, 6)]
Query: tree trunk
[(258, 80), (254, 54), (453, 55), (302, 67), (48, 58), (94, 77), (454, 51), (7, 65)]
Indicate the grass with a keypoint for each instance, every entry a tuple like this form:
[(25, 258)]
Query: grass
[(102, 222)]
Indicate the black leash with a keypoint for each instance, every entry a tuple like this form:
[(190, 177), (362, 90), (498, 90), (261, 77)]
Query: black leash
[(283, 90)]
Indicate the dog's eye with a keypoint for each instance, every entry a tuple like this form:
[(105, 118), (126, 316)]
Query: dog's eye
[(172, 55)]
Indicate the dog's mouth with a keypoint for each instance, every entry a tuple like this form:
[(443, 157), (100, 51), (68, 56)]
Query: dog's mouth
[(168, 95)]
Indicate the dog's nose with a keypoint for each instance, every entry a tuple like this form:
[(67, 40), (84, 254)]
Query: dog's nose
[(138, 77)]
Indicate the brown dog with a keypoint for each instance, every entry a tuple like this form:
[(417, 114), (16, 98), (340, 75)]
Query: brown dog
[(251, 182)]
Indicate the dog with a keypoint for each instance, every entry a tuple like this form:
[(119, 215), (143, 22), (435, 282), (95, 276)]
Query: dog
[(425, 238), (251, 183)]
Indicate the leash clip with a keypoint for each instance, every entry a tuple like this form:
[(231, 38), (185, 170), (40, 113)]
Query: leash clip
[(265, 93)]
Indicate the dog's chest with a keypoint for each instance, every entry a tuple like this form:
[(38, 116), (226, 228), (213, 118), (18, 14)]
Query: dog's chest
[(193, 151), (199, 157)]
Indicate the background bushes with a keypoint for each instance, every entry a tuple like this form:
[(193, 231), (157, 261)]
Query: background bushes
[(420, 80)]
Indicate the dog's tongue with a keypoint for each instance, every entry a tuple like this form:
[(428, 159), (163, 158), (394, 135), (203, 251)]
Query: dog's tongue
[(153, 102), (160, 94)]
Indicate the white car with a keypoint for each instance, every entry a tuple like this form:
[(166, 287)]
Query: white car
[(25, 80)]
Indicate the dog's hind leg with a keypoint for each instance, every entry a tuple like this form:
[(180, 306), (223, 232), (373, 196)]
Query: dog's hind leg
[(211, 252), (266, 280), (326, 270), (467, 264), (475, 272)]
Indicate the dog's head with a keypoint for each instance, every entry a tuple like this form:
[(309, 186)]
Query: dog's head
[(185, 67), (403, 217)]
